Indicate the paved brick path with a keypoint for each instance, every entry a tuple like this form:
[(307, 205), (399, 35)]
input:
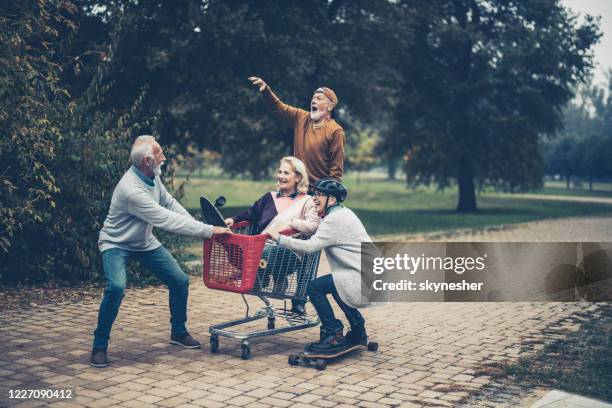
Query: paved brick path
[(595, 229), (430, 354)]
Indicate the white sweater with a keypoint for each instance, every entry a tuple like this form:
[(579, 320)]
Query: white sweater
[(136, 207), (340, 234)]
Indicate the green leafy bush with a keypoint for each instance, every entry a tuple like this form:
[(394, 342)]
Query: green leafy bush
[(60, 156)]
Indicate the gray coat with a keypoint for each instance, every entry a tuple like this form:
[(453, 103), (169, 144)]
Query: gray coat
[(340, 234)]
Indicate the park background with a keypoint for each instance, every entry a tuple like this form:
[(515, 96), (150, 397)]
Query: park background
[(463, 118), (459, 114)]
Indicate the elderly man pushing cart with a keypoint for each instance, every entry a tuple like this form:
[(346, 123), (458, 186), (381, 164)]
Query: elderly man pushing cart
[(140, 202)]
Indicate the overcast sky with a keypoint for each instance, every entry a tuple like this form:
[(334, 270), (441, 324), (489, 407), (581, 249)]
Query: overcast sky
[(603, 50)]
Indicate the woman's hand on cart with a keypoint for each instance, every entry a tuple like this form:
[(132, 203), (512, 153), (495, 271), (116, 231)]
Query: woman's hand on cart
[(221, 231)]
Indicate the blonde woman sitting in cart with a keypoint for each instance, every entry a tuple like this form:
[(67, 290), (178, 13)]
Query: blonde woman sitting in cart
[(288, 207)]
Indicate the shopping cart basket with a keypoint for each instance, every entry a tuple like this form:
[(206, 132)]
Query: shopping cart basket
[(249, 263)]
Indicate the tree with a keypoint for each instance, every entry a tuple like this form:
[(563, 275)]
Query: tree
[(33, 101), (194, 58), (603, 108), (563, 157), (584, 146), (360, 152), (491, 77), (63, 154)]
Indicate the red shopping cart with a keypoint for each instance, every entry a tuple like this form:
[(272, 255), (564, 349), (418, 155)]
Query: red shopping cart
[(252, 264)]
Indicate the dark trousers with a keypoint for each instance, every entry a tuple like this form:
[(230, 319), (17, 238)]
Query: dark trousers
[(318, 289)]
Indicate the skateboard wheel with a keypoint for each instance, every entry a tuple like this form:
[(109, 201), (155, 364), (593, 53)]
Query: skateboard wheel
[(320, 364), (246, 352), (263, 263), (214, 343), (220, 202), (372, 346), (293, 360)]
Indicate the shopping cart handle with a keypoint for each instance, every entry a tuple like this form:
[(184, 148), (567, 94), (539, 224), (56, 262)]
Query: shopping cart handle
[(287, 231), (240, 224)]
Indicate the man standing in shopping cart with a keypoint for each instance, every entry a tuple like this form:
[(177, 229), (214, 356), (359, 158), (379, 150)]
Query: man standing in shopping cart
[(341, 234), (318, 140), (139, 203)]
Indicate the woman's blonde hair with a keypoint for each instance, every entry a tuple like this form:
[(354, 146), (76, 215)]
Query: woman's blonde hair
[(298, 166)]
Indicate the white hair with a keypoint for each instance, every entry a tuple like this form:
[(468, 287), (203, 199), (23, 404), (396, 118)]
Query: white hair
[(299, 168), (142, 147)]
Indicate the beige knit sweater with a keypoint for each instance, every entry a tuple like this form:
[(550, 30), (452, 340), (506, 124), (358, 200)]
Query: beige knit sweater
[(300, 215)]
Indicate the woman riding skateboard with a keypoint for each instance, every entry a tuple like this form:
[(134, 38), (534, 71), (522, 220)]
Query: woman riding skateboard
[(340, 234)]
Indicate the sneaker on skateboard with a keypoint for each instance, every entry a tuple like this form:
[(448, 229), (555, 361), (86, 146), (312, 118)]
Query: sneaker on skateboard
[(319, 360)]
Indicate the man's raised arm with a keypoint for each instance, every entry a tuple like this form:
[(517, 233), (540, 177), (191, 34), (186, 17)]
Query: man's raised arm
[(286, 112)]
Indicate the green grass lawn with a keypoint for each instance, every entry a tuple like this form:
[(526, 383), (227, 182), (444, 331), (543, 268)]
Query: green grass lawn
[(579, 362), (573, 192), (388, 207), (597, 187)]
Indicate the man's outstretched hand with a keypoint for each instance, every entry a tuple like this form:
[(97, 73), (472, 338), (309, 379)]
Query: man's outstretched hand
[(222, 231), (258, 82)]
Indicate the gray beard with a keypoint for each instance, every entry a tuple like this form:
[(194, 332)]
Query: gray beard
[(156, 171), (316, 116)]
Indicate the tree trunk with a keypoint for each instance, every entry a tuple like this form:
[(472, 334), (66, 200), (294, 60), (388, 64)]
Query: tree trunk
[(256, 174), (467, 192), (591, 182), (358, 177), (392, 169), (567, 182)]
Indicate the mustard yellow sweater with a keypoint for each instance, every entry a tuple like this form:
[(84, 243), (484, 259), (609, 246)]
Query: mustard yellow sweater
[(322, 149)]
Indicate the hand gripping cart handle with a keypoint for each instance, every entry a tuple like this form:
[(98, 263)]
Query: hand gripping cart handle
[(252, 264)]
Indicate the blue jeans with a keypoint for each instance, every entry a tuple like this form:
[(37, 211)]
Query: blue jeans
[(163, 265), (317, 291)]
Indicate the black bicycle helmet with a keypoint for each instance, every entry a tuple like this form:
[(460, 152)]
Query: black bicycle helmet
[(331, 187)]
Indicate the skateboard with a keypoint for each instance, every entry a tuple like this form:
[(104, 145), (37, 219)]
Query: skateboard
[(320, 360), (210, 211)]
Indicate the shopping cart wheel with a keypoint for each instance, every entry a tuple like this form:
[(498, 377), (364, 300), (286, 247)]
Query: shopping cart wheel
[(320, 364), (271, 323), (293, 359), (246, 351), (372, 346), (214, 343)]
